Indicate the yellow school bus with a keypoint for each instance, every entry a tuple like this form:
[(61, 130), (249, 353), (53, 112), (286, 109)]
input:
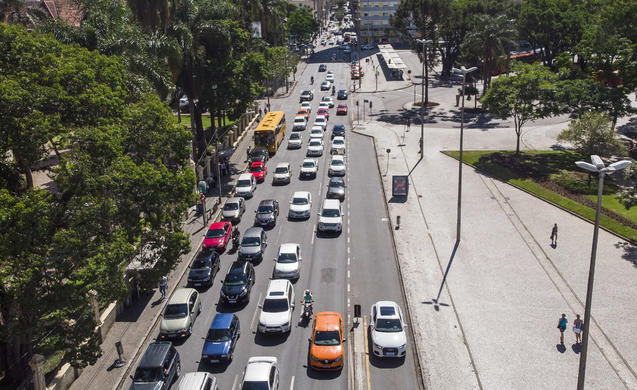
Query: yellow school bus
[(270, 131)]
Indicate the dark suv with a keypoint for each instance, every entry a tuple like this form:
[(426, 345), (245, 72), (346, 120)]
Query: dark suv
[(203, 269), (342, 94), (238, 282), (259, 154), (158, 368), (267, 212)]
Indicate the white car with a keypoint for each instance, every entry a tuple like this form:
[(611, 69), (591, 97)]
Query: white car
[(295, 141), (329, 77), (329, 100), (261, 372), (331, 217), (314, 147), (300, 123), (282, 173), (320, 120), (246, 184), (288, 262), (326, 85), (387, 329), (331, 41), (325, 105), (307, 106), (300, 205), (338, 145), (233, 209), (337, 166), (316, 132), (276, 311), (309, 168)]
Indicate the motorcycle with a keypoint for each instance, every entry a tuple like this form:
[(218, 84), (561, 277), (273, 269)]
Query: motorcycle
[(235, 241), (306, 313)]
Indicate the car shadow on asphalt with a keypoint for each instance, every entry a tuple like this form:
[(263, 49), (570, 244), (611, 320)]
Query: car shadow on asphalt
[(230, 308), (381, 362), (320, 375), (270, 340), (216, 368)]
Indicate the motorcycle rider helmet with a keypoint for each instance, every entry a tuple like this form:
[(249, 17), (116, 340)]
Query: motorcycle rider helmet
[(307, 292)]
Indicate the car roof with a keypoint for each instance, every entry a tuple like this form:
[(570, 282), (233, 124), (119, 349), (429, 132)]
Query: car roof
[(192, 380), (339, 138), (301, 194), (327, 320), (277, 286), (288, 248), (331, 204), (222, 321), (298, 117), (234, 200), (258, 368), (181, 295), (218, 225), (283, 164), (337, 157), (253, 232), (245, 176), (318, 128), (155, 354), (257, 164), (266, 202), (386, 305)]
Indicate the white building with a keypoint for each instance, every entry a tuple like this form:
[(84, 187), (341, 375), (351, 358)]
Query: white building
[(375, 26)]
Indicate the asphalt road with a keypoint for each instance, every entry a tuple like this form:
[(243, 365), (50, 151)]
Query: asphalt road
[(365, 245)]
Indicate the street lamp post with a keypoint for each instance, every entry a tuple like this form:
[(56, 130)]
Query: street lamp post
[(424, 98), (598, 167), (463, 71)]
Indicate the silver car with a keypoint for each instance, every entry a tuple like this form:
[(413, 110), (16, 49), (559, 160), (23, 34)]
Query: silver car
[(233, 209)]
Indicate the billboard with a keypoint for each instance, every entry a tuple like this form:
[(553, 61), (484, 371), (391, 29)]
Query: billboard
[(400, 185)]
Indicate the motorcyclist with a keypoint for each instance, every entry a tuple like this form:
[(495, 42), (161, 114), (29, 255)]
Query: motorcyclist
[(235, 237), (308, 299), (333, 89)]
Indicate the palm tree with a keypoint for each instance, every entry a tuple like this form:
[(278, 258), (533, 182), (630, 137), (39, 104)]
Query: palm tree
[(153, 15)]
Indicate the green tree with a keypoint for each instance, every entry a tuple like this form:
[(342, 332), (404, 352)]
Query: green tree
[(302, 24), (525, 95), (592, 133)]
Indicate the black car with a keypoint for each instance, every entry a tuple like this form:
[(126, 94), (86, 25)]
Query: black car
[(158, 368), (203, 269), (267, 212), (338, 131), (238, 282), (259, 154), (322, 68), (336, 189), (342, 94)]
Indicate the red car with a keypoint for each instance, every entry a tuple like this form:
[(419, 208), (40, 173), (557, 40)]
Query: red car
[(325, 112), (259, 170), (218, 236), (341, 109)]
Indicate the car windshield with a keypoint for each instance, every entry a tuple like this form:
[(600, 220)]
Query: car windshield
[(265, 209), (339, 142), (319, 119), (295, 136), (315, 143), (330, 213), (337, 182), (326, 338), (388, 325), (218, 335), (316, 131), (231, 206), (300, 201), (275, 305), (337, 162), (179, 310), (299, 120), (244, 183), (200, 263), (234, 279), (308, 164), (287, 258), (257, 168), (251, 241), (215, 233), (148, 374), (253, 385), (281, 170)]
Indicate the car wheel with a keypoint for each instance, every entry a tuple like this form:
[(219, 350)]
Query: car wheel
[(178, 372)]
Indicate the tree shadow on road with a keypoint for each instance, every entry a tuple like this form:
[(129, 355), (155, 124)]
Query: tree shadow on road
[(630, 252)]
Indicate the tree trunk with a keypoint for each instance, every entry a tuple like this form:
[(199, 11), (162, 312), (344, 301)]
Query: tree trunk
[(17, 357), (518, 133), (199, 133)]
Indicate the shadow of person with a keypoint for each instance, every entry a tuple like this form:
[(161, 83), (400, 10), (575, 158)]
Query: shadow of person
[(560, 348), (577, 347), (157, 302)]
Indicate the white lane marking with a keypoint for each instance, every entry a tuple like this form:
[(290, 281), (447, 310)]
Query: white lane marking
[(234, 384), (292, 383), (254, 316)]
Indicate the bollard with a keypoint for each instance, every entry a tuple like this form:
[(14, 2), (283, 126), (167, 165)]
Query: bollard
[(398, 222)]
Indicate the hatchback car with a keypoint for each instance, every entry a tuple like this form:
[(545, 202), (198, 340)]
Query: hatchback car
[(238, 282), (336, 189), (329, 100), (266, 213), (217, 236), (277, 308), (261, 373), (326, 85), (306, 96), (342, 94), (203, 269), (282, 173), (341, 109), (180, 314), (295, 141), (387, 329), (300, 205), (338, 145), (259, 170), (158, 368), (326, 344), (287, 264), (338, 131), (221, 339), (253, 244), (324, 112), (337, 166), (246, 185), (322, 67), (315, 147), (233, 209)]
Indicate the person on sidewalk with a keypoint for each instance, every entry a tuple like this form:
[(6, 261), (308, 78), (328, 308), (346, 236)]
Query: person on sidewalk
[(578, 325), (163, 283), (554, 236), (561, 325), (408, 122)]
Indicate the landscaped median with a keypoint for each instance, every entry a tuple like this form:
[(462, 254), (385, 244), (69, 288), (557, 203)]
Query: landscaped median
[(553, 176)]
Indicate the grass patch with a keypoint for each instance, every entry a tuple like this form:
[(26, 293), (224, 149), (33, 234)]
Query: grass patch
[(539, 172)]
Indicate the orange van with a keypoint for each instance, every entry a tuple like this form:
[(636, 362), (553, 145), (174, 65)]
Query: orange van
[(326, 344)]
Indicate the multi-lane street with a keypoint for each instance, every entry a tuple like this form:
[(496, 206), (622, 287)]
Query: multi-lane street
[(355, 267)]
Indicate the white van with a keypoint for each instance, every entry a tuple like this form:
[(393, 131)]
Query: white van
[(246, 184), (197, 381), (331, 217)]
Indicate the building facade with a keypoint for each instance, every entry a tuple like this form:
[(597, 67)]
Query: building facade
[(375, 25)]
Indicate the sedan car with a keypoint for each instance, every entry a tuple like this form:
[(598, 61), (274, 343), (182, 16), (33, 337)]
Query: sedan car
[(316, 132), (337, 166), (324, 112), (217, 236), (266, 213), (338, 131), (341, 109), (314, 147), (329, 100), (295, 141), (309, 168), (238, 282), (336, 189), (338, 145), (307, 106), (287, 264), (300, 205), (342, 94), (324, 105), (320, 120), (322, 67), (329, 77), (180, 314), (387, 329), (300, 123), (221, 339), (259, 170), (326, 344), (326, 85), (203, 269), (282, 173), (306, 95), (233, 209), (261, 373), (259, 154)]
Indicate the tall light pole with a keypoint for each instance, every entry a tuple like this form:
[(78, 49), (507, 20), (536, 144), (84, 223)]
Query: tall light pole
[(423, 98), (596, 166), (463, 71)]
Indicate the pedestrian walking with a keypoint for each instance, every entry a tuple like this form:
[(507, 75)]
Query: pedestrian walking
[(561, 325), (408, 123), (260, 112), (163, 282), (578, 325), (248, 154), (554, 235)]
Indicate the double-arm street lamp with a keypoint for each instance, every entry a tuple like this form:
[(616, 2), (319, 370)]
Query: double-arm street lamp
[(598, 167), (463, 71), (424, 97)]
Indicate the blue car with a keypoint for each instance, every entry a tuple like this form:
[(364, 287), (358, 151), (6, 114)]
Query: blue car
[(221, 339)]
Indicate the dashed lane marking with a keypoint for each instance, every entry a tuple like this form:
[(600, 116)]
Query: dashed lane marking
[(254, 316)]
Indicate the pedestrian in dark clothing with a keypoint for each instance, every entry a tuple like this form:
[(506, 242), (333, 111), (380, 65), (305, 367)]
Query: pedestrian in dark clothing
[(578, 326), (561, 325), (163, 282), (554, 235), (408, 122), (260, 112)]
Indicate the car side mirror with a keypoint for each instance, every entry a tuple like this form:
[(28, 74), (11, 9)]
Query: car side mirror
[(260, 306)]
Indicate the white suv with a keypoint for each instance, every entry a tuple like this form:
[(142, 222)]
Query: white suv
[(338, 145), (276, 311), (388, 330), (300, 205), (261, 372), (288, 262), (331, 217)]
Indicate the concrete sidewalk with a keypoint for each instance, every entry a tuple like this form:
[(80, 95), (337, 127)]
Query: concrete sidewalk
[(495, 323)]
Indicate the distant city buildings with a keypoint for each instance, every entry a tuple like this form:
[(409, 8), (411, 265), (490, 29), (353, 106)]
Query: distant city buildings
[(375, 26)]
